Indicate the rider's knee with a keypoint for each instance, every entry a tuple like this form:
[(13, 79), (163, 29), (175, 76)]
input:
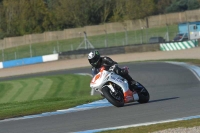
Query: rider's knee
[(124, 71)]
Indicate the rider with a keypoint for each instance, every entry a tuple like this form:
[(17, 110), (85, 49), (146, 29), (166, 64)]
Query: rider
[(97, 62)]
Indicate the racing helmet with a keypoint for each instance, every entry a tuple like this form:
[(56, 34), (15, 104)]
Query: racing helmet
[(94, 58)]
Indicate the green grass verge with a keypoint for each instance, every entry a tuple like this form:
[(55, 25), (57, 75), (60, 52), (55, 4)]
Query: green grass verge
[(50, 93), (112, 39), (43, 94)]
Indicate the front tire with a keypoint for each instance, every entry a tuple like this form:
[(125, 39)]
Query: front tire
[(143, 94), (115, 99)]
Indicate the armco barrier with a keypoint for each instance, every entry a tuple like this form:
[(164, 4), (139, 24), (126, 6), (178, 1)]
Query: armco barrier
[(21, 62), (110, 51), (84, 52), (141, 48), (28, 61), (1, 65), (52, 57), (178, 45)]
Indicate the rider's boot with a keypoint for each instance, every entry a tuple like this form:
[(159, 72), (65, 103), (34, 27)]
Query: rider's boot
[(134, 86), (132, 83)]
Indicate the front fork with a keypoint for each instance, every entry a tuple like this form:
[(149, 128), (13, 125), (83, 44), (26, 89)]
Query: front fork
[(129, 96), (111, 88)]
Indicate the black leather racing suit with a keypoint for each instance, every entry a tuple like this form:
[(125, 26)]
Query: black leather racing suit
[(107, 63)]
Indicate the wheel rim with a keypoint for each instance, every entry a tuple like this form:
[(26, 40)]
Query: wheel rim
[(117, 96)]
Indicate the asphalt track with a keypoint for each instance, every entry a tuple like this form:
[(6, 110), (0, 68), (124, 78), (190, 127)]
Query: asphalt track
[(174, 93)]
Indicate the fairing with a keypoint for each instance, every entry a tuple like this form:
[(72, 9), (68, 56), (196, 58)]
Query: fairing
[(104, 77)]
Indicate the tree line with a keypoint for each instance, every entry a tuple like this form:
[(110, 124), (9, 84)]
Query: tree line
[(20, 17)]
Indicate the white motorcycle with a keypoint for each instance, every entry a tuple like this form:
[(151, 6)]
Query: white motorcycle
[(116, 89)]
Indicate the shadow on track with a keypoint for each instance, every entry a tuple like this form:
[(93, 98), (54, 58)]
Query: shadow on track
[(152, 101)]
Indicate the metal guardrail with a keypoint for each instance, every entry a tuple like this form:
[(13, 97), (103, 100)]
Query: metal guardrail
[(28, 61), (110, 50)]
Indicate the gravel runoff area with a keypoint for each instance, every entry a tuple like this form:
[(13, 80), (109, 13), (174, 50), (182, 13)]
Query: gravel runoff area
[(193, 53), (180, 130)]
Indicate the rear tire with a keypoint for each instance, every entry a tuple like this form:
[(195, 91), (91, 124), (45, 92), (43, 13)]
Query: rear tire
[(143, 94), (117, 100)]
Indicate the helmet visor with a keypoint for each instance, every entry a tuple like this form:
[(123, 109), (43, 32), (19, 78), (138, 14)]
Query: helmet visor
[(95, 60)]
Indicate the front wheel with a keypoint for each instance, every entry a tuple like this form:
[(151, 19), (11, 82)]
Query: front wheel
[(116, 98), (143, 94)]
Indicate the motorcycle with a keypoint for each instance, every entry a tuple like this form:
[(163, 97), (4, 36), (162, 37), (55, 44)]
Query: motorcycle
[(116, 89)]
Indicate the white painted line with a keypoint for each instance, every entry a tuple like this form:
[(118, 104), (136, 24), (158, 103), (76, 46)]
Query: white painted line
[(141, 124), (194, 69), (105, 103)]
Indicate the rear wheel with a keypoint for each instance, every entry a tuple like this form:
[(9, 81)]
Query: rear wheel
[(116, 98), (143, 94)]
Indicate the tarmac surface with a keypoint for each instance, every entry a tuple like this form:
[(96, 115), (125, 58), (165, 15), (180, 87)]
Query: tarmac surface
[(174, 93)]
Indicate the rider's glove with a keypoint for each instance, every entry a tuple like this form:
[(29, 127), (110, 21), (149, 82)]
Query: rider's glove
[(113, 68)]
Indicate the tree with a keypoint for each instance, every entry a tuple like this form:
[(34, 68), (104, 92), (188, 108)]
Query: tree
[(118, 10), (94, 11), (193, 4), (2, 22), (140, 9), (68, 14), (10, 8), (105, 11), (32, 16), (183, 5), (161, 5), (19, 17)]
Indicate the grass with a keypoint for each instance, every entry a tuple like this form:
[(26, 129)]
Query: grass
[(43, 94), (112, 39), (50, 93)]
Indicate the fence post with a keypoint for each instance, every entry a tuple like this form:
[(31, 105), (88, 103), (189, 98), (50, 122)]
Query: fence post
[(58, 47), (167, 26), (142, 34), (126, 37), (106, 45), (15, 55), (72, 47), (30, 48), (2, 54), (2, 51), (135, 38)]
